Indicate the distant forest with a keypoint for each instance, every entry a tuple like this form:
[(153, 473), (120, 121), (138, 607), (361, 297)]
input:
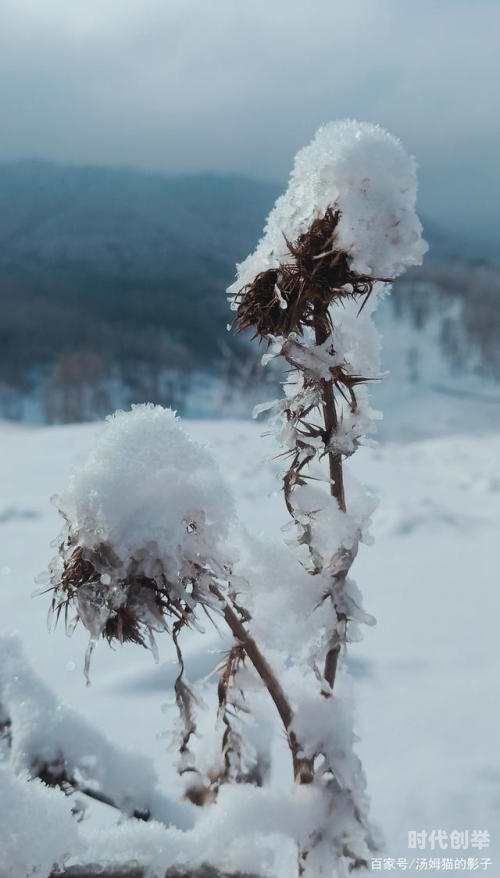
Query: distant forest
[(116, 280), (112, 286)]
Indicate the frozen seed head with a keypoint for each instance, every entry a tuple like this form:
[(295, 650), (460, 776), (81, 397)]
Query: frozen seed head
[(146, 517), (346, 220), (300, 291)]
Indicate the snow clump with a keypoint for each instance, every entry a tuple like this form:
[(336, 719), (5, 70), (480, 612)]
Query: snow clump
[(365, 173)]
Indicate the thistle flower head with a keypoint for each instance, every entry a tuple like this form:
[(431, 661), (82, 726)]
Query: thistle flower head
[(346, 220), (145, 519), (301, 290)]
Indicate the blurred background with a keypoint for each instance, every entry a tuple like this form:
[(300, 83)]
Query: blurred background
[(143, 145)]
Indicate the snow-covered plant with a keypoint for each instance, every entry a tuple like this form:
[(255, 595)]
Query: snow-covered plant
[(142, 550), (150, 530), (343, 231), (145, 520)]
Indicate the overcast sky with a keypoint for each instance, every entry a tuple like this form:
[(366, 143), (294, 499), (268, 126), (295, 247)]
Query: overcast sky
[(225, 85)]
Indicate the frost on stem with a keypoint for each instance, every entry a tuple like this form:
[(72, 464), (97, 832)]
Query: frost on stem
[(343, 230)]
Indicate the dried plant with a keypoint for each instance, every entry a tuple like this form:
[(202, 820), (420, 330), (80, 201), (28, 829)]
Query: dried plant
[(281, 306), (129, 589), (304, 293), (298, 293), (315, 277), (146, 546)]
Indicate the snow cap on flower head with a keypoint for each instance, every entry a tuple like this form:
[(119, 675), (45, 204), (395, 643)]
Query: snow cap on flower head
[(346, 220), (145, 516)]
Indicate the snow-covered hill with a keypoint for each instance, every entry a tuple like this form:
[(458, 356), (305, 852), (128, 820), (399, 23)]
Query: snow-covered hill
[(426, 678), (112, 284), (120, 222), (117, 220)]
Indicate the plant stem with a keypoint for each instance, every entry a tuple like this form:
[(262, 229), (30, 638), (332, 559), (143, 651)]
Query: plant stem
[(259, 662), (337, 491), (331, 420), (336, 487), (334, 460), (302, 768)]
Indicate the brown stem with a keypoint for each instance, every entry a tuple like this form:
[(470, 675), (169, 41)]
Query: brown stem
[(138, 813), (302, 767), (330, 416), (337, 491), (334, 459), (259, 662), (336, 484), (57, 776)]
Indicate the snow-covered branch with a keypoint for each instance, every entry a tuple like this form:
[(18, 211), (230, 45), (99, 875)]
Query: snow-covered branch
[(43, 738)]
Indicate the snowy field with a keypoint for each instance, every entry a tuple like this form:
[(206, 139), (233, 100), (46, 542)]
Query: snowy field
[(426, 677)]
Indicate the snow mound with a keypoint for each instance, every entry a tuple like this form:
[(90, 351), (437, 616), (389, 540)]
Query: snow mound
[(36, 827), (47, 733)]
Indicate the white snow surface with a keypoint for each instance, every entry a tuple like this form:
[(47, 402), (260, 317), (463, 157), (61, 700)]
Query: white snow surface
[(48, 732), (36, 827), (424, 680), (363, 171)]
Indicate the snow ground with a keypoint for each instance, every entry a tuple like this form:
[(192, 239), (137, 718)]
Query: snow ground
[(426, 677)]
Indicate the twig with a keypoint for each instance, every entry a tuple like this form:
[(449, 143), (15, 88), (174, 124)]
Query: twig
[(139, 813), (302, 767)]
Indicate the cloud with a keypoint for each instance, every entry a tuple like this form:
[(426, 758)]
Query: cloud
[(239, 87)]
